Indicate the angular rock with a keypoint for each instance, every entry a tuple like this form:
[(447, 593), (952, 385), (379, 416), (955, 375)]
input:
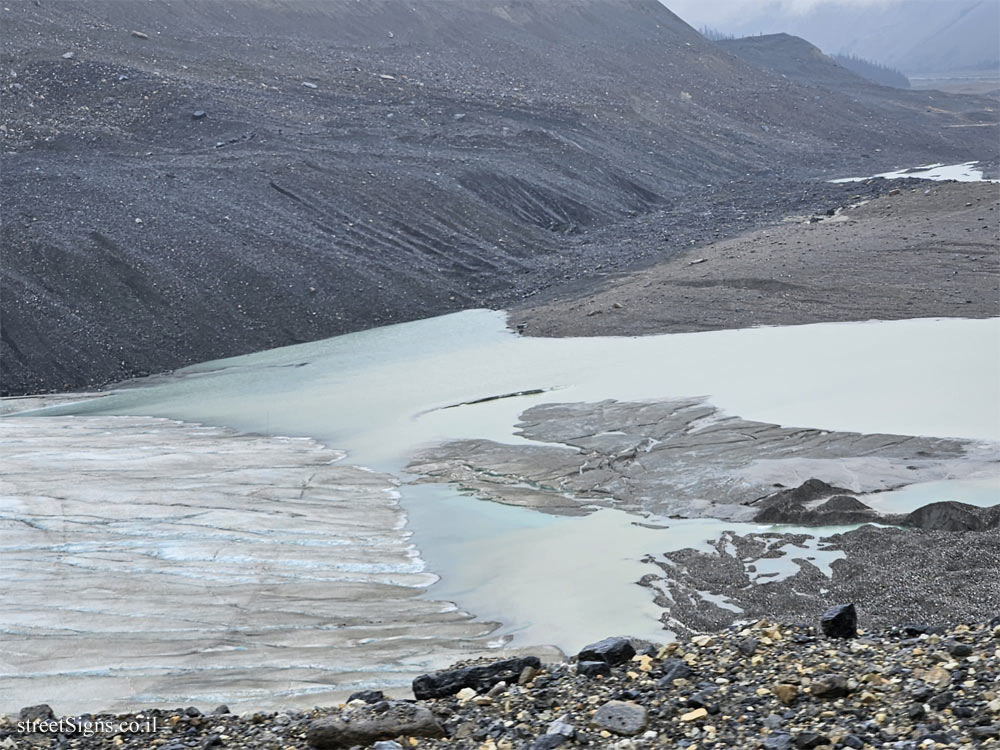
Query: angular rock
[(547, 742), (941, 700), (368, 696), (480, 678), (786, 692), (610, 650), (748, 646), (41, 712), (387, 745), (365, 725), (527, 675), (698, 713), (810, 740), (704, 699), (953, 516), (563, 727), (840, 622), (807, 492), (620, 717), (829, 687), (844, 503), (675, 669), (797, 506), (942, 738), (593, 668), (987, 732), (497, 690), (937, 676), (959, 650), (778, 741), (772, 722)]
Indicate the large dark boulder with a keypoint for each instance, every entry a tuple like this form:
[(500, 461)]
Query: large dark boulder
[(593, 669), (41, 712), (547, 742), (829, 687), (480, 677), (953, 516), (367, 724), (840, 622), (844, 503), (620, 717), (368, 696), (807, 492), (676, 669), (778, 741), (810, 740), (610, 650), (799, 506)]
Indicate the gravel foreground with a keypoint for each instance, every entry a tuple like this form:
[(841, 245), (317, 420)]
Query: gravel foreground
[(755, 686)]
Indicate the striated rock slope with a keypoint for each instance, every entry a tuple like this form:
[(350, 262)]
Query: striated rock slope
[(364, 163)]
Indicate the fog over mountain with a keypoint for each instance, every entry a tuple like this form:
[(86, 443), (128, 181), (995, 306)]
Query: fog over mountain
[(916, 36)]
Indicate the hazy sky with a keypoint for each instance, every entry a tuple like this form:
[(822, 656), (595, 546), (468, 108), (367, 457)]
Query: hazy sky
[(699, 13)]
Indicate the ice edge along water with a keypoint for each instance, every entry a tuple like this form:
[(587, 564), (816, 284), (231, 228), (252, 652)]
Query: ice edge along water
[(378, 394)]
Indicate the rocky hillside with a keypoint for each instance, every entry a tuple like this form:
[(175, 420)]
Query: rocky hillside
[(186, 180), (880, 74), (798, 60)]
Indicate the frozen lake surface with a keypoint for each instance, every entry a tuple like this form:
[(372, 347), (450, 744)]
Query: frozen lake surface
[(382, 394), (151, 562)]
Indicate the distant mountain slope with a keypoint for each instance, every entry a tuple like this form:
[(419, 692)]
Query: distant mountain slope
[(805, 63), (794, 58), (361, 163), (915, 36), (880, 74)]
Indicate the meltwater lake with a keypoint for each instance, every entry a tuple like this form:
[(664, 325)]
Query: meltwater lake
[(533, 578), (379, 394)]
